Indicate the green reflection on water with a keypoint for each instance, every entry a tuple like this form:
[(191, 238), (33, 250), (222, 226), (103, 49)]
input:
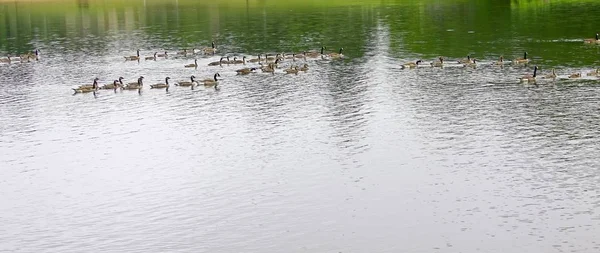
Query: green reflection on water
[(551, 31)]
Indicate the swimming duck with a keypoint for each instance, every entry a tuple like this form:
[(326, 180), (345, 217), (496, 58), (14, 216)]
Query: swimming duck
[(594, 73), (304, 68), (411, 65), (271, 59), (500, 61), (255, 59), (270, 68), (110, 86), (90, 86), (114, 85), (193, 65), (551, 75), (151, 57), (439, 63), (529, 78), (6, 60), (186, 83), (467, 60), (211, 82), (161, 85), (291, 70), (236, 61), (134, 86), (336, 55), (34, 55), (471, 64), (210, 50), (84, 90), (184, 52), (575, 75), (292, 57), (133, 58), (87, 88), (522, 60), (315, 54), (592, 41), (245, 71), (164, 55), (219, 63)]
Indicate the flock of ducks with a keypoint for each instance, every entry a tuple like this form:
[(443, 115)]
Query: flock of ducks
[(270, 63), (27, 57), (441, 62), (265, 63)]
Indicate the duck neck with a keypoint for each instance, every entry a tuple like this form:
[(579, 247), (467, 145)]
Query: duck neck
[(167, 81), (215, 77), (534, 72)]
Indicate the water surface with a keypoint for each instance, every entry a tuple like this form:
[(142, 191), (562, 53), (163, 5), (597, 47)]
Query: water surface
[(356, 155)]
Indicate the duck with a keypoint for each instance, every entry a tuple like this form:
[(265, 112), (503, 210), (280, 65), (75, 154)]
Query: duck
[(271, 59), (186, 83), (84, 90), (552, 75), (245, 71), (304, 67), (336, 55), (210, 50), (255, 59), (134, 86), (471, 64), (301, 56), (270, 68), (315, 54), (467, 60), (236, 61), (217, 63), (89, 86), (133, 58), (164, 55), (111, 86), (500, 61), (193, 65), (291, 70), (148, 58), (592, 41), (114, 85), (184, 52), (161, 85), (5, 60), (211, 82), (291, 57), (594, 73), (575, 75), (529, 78), (522, 60), (411, 65), (227, 60), (35, 55), (439, 63)]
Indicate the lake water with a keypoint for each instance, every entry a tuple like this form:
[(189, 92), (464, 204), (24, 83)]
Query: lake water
[(355, 155)]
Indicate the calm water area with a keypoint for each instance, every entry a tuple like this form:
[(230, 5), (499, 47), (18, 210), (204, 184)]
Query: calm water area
[(354, 155)]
